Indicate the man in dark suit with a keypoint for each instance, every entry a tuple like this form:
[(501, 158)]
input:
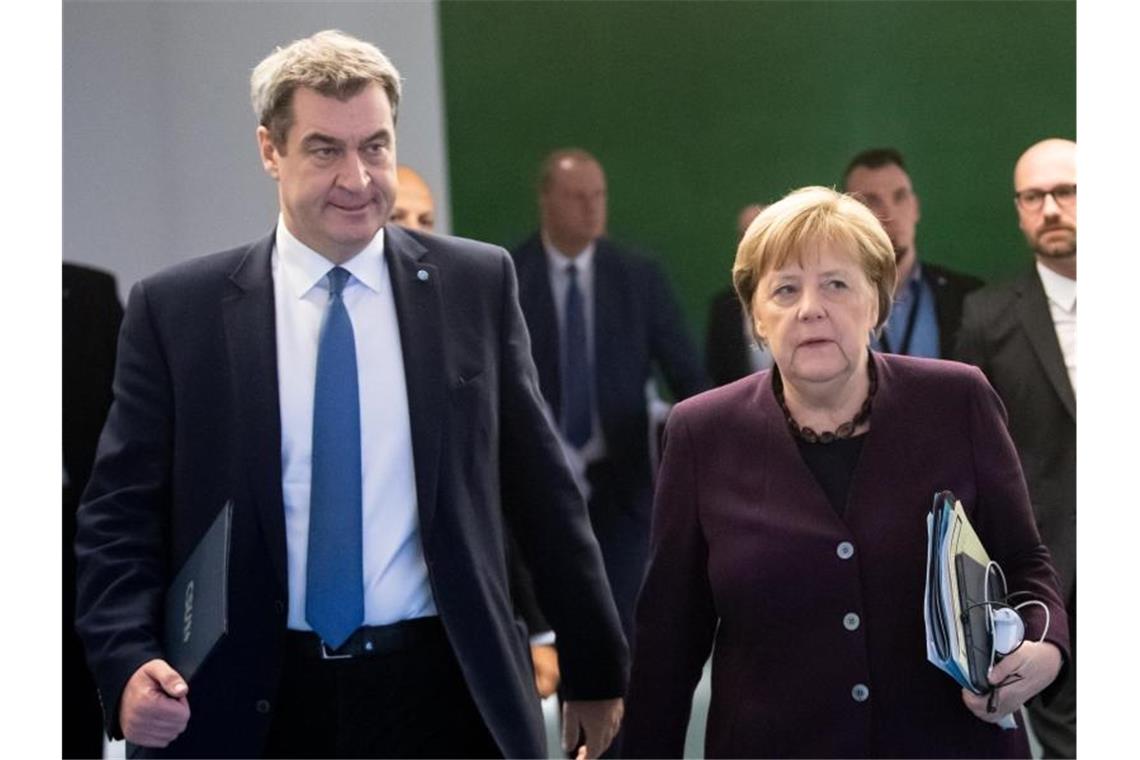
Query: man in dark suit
[(600, 319), (1023, 336), (365, 397), (730, 350), (91, 317), (928, 299)]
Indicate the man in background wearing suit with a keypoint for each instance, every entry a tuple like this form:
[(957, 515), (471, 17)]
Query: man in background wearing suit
[(1023, 335), (730, 350), (91, 317), (928, 299), (414, 209), (365, 397), (600, 319)]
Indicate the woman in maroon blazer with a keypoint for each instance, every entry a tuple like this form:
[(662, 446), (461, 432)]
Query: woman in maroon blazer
[(789, 527)]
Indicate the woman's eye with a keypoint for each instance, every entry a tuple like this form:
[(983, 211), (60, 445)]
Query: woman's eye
[(783, 291)]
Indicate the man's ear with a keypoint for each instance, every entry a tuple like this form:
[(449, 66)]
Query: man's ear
[(917, 209), (268, 151)]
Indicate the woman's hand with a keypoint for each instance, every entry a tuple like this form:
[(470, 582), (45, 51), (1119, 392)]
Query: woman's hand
[(1029, 669)]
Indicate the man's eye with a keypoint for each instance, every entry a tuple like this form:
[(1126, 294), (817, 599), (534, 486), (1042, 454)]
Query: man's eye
[(1032, 196), (374, 148), (324, 152), (1065, 192)]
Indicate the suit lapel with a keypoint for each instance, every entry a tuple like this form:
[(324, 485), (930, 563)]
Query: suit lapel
[(419, 310), (251, 341), (1037, 321)]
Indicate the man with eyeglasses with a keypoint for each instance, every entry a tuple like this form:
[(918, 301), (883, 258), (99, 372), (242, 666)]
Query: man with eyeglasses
[(927, 305), (1023, 335)]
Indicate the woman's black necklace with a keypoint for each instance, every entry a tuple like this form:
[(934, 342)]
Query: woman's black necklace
[(843, 431)]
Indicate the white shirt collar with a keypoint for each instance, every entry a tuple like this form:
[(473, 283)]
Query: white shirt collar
[(1059, 289), (558, 261), (305, 268)]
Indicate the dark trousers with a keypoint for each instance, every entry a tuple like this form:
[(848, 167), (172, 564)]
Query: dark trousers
[(409, 703), (620, 504), (619, 514)]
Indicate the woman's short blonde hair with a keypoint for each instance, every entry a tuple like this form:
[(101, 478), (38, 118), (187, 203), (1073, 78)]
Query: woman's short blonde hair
[(332, 63), (802, 221)]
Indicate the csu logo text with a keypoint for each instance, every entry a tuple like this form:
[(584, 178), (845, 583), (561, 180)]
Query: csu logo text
[(188, 612)]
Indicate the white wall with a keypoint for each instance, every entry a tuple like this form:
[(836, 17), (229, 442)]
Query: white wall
[(159, 157)]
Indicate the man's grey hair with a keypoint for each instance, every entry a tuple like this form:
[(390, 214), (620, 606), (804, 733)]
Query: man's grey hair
[(332, 63)]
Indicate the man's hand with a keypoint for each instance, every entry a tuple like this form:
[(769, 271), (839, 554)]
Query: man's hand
[(597, 720), (546, 674), (1037, 664), (154, 710)]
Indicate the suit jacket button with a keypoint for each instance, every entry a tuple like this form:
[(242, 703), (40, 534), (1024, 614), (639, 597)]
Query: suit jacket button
[(263, 706), (851, 621), (860, 692), (845, 550)]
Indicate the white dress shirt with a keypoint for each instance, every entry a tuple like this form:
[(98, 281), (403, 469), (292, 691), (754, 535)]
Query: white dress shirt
[(395, 575), (1062, 295), (558, 262)]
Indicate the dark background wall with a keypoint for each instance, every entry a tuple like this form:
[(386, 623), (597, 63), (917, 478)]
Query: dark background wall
[(696, 109)]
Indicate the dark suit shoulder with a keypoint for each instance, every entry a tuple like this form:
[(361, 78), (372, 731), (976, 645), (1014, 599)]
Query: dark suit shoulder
[(210, 270), (942, 277), (999, 297), (727, 300), (919, 375), (450, 247), (714, 407), (613, 254), (633, 259), (82, 275), (726, 315), (528, 253)]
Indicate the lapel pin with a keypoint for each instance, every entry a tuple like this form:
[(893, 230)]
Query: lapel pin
[(422, 275)]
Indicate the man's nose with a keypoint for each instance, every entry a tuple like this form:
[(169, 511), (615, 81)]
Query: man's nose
[(354, 175), (1049, 206)]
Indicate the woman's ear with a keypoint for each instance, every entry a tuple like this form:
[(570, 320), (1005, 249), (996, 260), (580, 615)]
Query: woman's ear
[(758, 330)]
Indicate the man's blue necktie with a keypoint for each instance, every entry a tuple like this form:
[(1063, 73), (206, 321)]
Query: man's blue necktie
[(576, 376), (334, 589)]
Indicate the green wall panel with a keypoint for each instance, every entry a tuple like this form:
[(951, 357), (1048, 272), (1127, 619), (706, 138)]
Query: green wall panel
[(697, 108)]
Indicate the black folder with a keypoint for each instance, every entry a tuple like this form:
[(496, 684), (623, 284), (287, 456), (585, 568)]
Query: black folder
[(975, 619), (196, 602)]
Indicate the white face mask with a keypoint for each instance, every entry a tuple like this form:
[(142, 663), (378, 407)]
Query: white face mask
[(1008, 630)]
